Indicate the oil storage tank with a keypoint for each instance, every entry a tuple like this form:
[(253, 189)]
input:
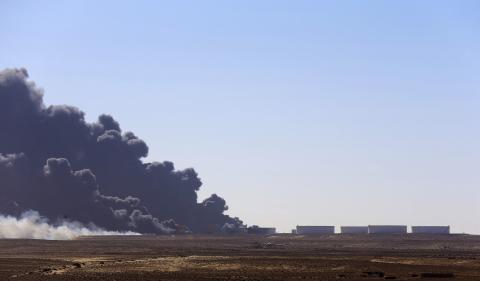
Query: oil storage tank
[(387, 229), (431, 229), (315, 229), (255, 229), (354, 229)]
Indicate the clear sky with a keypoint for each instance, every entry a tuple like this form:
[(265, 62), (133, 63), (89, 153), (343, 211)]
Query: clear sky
[(296, 112)]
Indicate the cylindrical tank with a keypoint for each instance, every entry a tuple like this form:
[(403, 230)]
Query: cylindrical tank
[(387, 229), (261, 230), (315, 229), (431, 229), (354, 229)]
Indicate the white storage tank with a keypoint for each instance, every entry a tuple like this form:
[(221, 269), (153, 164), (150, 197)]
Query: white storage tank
[(387, 229), (354, 229), (315, 229), (431, 229)]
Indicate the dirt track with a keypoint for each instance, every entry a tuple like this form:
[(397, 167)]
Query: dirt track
[(249, 257)]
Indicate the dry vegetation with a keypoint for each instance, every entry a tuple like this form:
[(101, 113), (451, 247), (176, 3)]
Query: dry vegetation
[(249, 257)]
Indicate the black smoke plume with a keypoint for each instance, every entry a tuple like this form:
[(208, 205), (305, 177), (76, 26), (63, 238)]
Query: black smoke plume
[(54, 162)]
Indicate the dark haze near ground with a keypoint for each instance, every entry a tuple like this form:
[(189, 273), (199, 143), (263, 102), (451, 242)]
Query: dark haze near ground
[(54, 162)]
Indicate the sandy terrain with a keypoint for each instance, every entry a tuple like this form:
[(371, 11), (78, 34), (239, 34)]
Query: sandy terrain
[(248, 257)]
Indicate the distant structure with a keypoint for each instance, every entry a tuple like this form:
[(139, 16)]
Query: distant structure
[(318, 229), (255, 229), (354, 229), (387, 229), (431, 229)]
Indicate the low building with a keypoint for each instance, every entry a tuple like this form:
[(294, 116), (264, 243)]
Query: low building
[(354, 229), (387, 229), (431, 229), (315, 229)]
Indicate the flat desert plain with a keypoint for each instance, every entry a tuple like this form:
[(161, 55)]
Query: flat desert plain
[(244, 257)]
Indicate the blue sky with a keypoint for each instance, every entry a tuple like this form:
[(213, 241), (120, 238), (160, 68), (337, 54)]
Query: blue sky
[(296, 112)]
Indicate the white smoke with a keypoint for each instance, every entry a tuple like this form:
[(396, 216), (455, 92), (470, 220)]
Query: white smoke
[(31, 225)]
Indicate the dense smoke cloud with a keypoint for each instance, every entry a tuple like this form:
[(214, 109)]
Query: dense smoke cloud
[(31, 225), (54, 162)]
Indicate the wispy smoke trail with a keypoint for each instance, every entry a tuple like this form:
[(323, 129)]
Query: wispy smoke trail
[(31, 225)]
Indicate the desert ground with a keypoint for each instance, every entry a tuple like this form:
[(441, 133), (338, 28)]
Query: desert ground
[(244, 257)]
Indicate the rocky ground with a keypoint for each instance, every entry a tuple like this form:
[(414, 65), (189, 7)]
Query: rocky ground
[(247, 257)]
